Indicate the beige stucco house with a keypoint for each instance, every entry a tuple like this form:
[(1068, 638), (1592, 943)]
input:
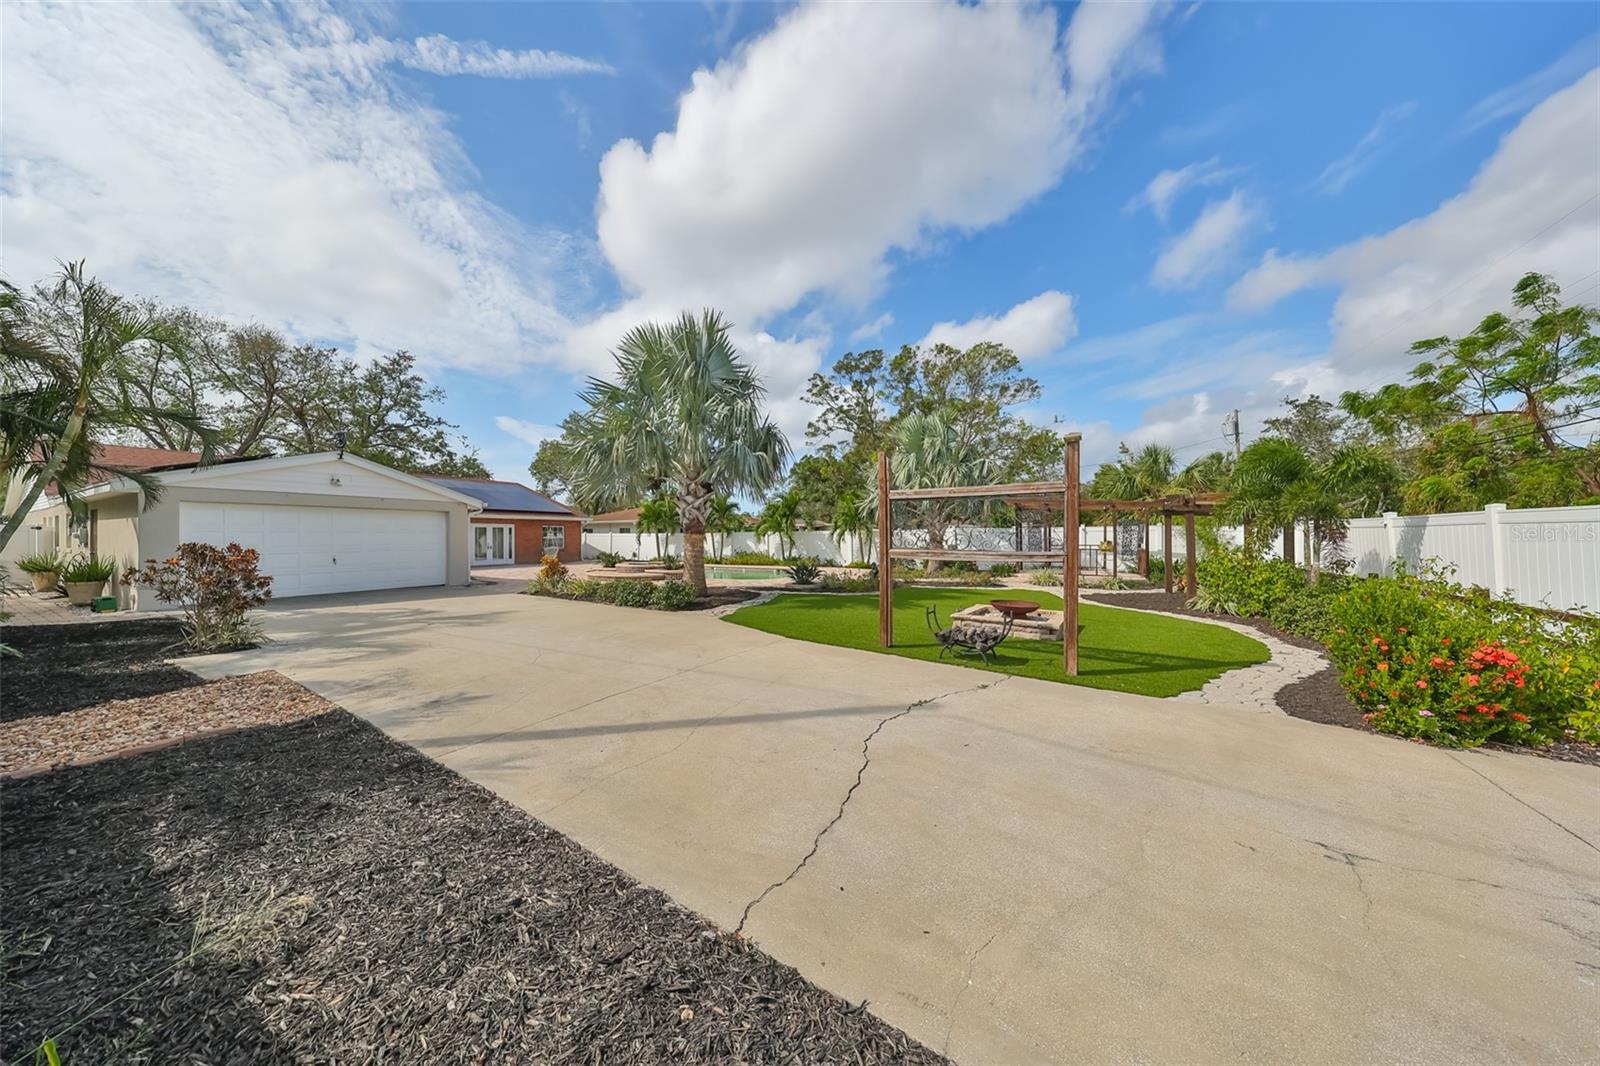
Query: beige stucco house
[(323, 523)]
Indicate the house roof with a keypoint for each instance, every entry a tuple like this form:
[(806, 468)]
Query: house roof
[(127, 457), (627, 514), (503, 496)]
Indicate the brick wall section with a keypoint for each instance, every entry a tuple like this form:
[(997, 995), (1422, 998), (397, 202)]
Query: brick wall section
[(529, 537)]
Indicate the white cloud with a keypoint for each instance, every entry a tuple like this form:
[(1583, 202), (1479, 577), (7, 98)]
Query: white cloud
[(1163, 189), (528, 432), (1535, 205), (1208, 245), (1342, 171), (440, 55), (870, 330), (1518, 97), (1031, 329), (265, 163), (796, 166)]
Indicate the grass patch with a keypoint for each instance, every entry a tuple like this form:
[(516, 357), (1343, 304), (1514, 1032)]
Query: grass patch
[(1128, 651)]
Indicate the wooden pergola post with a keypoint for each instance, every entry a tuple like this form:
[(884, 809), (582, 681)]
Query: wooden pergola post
[(885, 564), (1166, 546), (1188, 553), (1069, 558)]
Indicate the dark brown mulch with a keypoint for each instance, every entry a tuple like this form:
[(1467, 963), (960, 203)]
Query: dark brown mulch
[(1322, 697), (315, 892), (67, 667), (718, 596)]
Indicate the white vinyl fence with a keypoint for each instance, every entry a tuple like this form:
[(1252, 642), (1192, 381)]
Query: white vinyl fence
[(1543, 557)]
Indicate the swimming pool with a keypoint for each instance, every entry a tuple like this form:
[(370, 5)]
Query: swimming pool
[(744, 573)]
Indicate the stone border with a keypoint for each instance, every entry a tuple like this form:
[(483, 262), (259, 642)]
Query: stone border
[(1249, 686)]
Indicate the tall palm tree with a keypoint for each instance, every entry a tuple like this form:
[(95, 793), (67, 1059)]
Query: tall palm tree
[(779, 518), (722, 517), (851, 523), (62, 364), (929, 452), (685, 415), (659, 515)]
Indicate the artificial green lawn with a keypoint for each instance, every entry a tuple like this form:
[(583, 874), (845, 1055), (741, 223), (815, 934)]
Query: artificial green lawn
[(1129, 651)]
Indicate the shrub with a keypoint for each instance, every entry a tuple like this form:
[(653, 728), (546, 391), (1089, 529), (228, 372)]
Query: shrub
[(1114, 584), (41, 563), (629, 592), (90, 568), (861, 566), (608, 559), (551, 568), (1424, 658), (1158, 571), (850, 582), (668, 561), (752, 559), (1045, 578), (216, 588), (1233, 581), (1002, 569), (1308, 611), (583, 588), (804, 572), (671, 596)]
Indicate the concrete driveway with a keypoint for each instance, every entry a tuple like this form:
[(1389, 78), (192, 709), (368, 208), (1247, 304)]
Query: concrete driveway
[(1010, 870)]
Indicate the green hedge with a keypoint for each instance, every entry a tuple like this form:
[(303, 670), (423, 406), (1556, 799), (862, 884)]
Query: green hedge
[(624, 592)]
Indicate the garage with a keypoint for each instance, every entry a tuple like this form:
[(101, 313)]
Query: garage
[(312, 550), (324, 523)]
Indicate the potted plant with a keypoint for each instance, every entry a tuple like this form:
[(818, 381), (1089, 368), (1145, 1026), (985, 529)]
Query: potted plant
[(44, 568), (84, 577)]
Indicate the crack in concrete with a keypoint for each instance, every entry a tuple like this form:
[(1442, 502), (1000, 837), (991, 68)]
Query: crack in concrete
[(866, 760), (961, 990), (1572, 833)]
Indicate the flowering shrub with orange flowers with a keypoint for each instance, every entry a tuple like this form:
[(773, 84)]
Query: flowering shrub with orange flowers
[(1425, 658), (216, 588)]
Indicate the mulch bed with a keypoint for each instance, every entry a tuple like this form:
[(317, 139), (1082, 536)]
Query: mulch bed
[(117, 727), (1322, 697), (67, 667), (315, 892)]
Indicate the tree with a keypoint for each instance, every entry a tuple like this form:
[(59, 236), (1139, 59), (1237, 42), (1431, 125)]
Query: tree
[(779, 518), (928, 451), (852, 523), (659, 515), (457, 464), (63, 350), (685, 414), (1313, 425), (552, 467), (1524, 381), (722, 517), (819, 479)]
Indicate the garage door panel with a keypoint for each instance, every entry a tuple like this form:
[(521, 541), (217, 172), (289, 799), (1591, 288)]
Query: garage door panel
[(311, 550)]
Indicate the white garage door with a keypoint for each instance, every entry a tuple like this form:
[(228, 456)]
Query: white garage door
[(310, 550)]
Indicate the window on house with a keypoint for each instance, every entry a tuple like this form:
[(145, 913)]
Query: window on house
[(555, 538)]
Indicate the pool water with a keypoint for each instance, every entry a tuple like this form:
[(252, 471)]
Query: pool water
[(743, 573)]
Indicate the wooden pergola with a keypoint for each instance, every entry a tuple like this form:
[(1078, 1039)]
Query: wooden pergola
[(1045, 496)]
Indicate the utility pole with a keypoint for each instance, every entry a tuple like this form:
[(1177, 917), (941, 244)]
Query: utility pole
[(1230, 426)]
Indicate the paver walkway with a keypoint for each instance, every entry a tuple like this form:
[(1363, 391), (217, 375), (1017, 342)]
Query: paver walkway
[(1013, 870)]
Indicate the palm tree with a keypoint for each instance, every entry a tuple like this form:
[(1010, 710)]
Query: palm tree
[(851, 522), (722, 517), (1277, 484), (659, 515), (684, 415), (63, 351), (779, 518), (929, 452)]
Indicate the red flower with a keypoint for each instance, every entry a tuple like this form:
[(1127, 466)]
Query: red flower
[(1471, 679), (1422, 684), (1519, 716)]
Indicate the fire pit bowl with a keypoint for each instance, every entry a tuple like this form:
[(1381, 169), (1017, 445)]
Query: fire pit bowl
[(1015, 608)]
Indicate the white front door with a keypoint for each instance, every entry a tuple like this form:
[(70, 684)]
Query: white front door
[(309, 550), (493, 545)]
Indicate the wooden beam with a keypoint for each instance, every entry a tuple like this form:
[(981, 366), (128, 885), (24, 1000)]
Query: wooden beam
[(885, 555), (1189, 554), (1166, 547), (1069, 558), (963, 555)]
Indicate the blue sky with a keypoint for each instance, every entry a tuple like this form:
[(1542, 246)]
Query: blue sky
[(1169, 211)]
